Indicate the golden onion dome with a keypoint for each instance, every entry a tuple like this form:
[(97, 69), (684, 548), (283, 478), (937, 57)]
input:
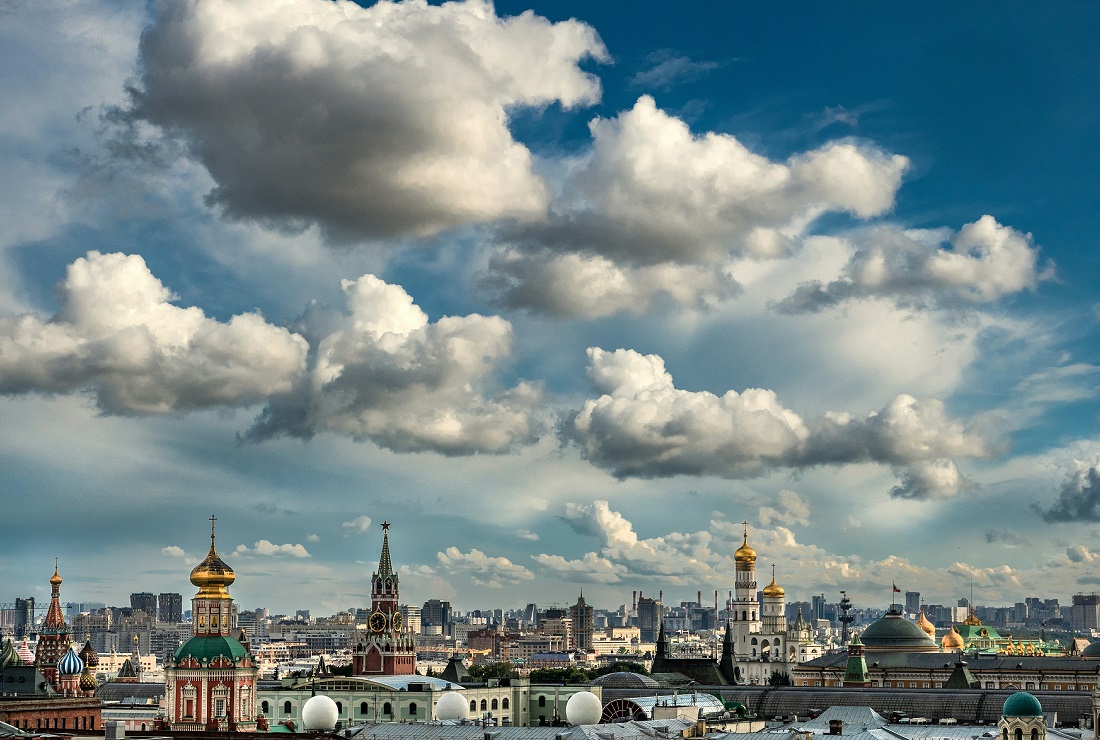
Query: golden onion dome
[(924, 624), (55, 579), (952, 640), (212, 576), (745, 554), (773, 589)]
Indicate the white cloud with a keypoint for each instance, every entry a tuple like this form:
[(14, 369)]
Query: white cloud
[(665, 69), (1079, 497), (373, 122), (264, 548), (986, 261), (789, 508), (118, 336), (383, 372), (652, 193), (313, 538), (483, 570), (589, 569), (527, 535), (1081, 554), (359, 524), (173, 551), (643, 426)]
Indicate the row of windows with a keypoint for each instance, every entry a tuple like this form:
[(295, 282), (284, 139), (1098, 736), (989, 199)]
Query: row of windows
[(387, 708), (86, 722)]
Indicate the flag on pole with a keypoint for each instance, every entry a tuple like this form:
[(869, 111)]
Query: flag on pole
[(896, 589)]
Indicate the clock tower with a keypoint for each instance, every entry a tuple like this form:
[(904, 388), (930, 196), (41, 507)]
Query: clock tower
[(387, 649)]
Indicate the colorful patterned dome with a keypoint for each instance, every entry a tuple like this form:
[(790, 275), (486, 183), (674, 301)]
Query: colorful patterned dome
[(88, 653), (26, 653), (88, 680), (70, 663), (8, 655)]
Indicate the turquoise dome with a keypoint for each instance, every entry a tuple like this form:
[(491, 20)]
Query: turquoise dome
[(1022, 704), (70, 664), (205, 649)]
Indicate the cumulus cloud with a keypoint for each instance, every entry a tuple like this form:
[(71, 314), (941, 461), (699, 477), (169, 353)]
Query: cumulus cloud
[(118, 336), (172, 551), (643, 426), (1079, 497), (359, 524), (313, 537), (930, 479), (581, 286), (371, 122), (483, 570), (263, 548), (382, 372), (1081, 554), (983, 262), (789, 508), (527, 535), (589, 569), (651, 192)]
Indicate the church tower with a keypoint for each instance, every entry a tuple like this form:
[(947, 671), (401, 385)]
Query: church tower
[(53, 637), (773, 622), (388, 649), (744, 609), (210, 683)]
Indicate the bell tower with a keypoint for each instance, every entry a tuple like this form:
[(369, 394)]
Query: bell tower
[(388, 649)]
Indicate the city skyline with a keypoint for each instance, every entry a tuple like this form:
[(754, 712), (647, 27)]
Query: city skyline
[(568, 295)]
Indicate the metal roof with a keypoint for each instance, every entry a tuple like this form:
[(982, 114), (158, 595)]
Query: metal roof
[(707, 702), (645, 730)]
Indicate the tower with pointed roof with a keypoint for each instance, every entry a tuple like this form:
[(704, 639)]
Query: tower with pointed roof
[(210, 682), (855, 672), (744, 609), (53, 636), (388, 648)]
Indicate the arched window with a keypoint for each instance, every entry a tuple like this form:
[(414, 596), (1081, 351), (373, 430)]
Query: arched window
[(754, 641), (1019, 734), (387, 709), (494, 706), (484, 705), (339, 707), (412, 709), (754, 614), (504, 703), (364, 708), (286, 707), (1034, 734), (473, 708), (542, 701), (1004, 733), (744, 616), (264, 707)]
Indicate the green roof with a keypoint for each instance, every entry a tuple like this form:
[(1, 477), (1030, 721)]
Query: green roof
[(205, 649), (1022, 704)]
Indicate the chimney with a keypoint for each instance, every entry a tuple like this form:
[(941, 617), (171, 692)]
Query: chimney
[(836, 727), (699, 599)]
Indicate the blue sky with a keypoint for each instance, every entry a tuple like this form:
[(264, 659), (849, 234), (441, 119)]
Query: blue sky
[(566, 295)]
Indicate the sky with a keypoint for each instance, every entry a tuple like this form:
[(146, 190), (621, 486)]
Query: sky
[(564, 294)]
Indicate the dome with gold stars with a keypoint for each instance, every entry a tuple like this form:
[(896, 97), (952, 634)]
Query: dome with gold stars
[(213, 576)]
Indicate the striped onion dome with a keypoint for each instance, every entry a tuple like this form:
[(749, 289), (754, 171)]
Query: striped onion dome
[(70, 663), (26, 653), (8, 656)]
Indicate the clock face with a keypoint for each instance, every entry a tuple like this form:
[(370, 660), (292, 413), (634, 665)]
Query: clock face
[(377, 622), (396, 621)]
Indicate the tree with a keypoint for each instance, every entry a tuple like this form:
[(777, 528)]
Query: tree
[(628, 666), (779, 678), (486, 671), (572, 675)]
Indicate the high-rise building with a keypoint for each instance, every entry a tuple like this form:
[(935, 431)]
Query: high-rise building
[(412, 618), (170, 608), (649, 618), (435, 613), (145, 602), (912, 602), (24, 616), (583, 618), (1086, 612)]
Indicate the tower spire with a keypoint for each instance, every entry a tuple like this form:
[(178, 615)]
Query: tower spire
[(385, 566)]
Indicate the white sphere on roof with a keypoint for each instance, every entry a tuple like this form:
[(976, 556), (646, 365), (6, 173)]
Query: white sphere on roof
[(583, 708), (452, 705), (319, 714)]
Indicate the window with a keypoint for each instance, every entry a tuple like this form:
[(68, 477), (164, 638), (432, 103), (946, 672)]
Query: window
[(1034, 734), (494, 706), (265, 707), (473, 705), (1004, 733), (1019, 734), (286, 707), (542, 701), (339, 707), (484, 705), (364, 708), (412, 709), (504, 703), (387, 709), (744, 616)]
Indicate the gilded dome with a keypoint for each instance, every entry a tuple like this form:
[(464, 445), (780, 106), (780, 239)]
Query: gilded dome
[(55, 579), (773, 589), (952, 640), (924, 624), (745, 554), (212, 576)]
